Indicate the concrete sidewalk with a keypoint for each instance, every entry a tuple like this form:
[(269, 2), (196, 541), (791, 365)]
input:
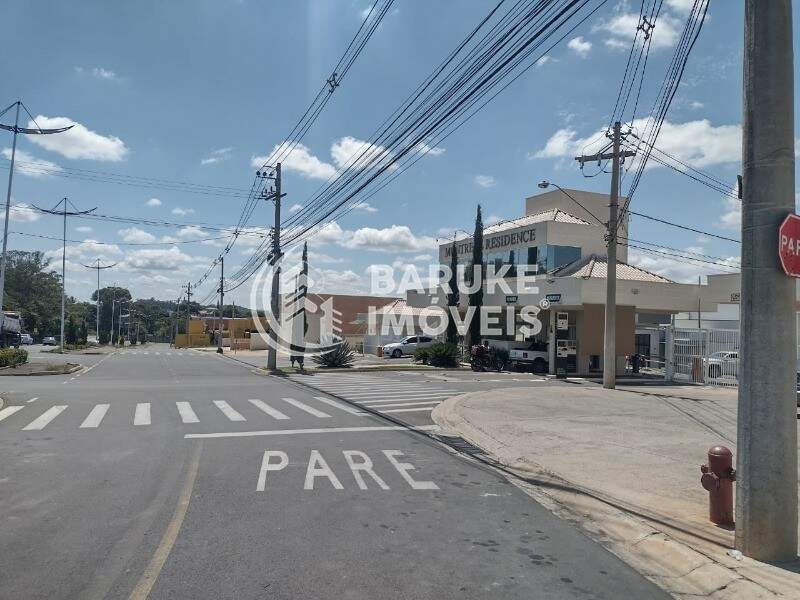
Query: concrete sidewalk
[(624, 464)]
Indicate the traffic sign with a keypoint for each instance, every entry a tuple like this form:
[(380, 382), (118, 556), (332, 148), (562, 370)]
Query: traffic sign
[(789, 245)]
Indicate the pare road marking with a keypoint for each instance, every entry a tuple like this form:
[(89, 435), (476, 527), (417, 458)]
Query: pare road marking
[(360, 465)]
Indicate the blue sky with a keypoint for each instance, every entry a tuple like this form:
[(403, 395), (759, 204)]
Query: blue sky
[(193, 91)]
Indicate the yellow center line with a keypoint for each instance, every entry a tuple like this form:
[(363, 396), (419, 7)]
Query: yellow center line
[(153, 569)]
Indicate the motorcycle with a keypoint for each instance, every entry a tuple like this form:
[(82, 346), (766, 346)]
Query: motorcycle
[(484, 359)]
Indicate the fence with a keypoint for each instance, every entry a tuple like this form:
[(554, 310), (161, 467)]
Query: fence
[(709, 356)]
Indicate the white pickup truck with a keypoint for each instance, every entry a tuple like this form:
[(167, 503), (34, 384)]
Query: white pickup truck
[(534, 361), (10, 328)]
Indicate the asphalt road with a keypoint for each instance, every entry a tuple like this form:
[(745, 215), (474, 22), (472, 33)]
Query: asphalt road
[(174, 474)]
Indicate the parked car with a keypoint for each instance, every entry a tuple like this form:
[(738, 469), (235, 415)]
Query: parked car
[(722, 363), (406, 346), (49, 340), (26, 339), (535, 361)]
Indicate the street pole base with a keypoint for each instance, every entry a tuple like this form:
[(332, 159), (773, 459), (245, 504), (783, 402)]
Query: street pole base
[(219, 350)]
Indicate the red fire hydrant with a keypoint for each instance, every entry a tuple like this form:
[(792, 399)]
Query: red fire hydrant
[(718, 477)]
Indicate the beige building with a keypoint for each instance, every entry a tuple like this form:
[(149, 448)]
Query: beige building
[(566, 242)]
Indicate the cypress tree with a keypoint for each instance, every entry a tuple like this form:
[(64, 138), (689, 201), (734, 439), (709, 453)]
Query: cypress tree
[(477, 269), (452, 298)]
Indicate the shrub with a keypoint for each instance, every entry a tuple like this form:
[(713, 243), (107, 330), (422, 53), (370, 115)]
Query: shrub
[(11, 357), (104, 337), (442, 354), (340, 357), (422, 355)]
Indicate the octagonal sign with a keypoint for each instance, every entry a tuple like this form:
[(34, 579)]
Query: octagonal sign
[(789, 245)]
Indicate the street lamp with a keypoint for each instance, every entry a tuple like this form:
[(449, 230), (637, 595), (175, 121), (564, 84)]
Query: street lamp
[(119, 319)]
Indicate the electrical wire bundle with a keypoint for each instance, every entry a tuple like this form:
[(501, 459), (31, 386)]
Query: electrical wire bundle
[(503, 46)]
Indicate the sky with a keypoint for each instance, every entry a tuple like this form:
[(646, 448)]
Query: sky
[(197, 91)]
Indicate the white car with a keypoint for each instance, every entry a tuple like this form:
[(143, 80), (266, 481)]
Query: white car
[(407, 346), (26, 339), (722, 364)]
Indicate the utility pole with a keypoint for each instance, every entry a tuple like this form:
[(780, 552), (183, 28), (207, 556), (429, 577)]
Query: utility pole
[(113, 304), (188, 310), (98, 267), (766, 462), (221, 298), (610, 327), (272, 352), (65, 213), (32, 131)]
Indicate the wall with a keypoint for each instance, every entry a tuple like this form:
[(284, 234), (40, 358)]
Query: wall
[(591, 329)]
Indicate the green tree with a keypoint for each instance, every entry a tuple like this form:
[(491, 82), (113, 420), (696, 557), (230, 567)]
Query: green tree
[(452, 298), (108, 295), (477, 270), (71, 331), (83, 332), (34, 291)]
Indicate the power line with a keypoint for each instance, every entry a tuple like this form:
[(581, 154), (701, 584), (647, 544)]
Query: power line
[(686, 227)]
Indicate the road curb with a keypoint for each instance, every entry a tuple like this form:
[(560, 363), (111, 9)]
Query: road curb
[(684, 565)]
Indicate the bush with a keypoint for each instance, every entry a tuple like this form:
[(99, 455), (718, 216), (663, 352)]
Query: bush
[(11, 357), (442, 354), (105, 336), (340, 357), (422, 355)]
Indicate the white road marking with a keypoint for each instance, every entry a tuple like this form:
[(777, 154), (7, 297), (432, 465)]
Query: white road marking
[(186, 412), (317, 467), (228, 411), (403, 399), (231, 434), (365, 465), (305, 407), (45, 418), (142, 414), (8, 411), (95, 416), (261, 405), (266, 465), (403, 469), (340, 406), (404, 404), (399, 410), (406, 392), (33, 399)]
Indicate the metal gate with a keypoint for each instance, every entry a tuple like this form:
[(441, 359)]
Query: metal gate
[(709, 356)]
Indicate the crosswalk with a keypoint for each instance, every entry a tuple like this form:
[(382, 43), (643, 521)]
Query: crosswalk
[(31, 417), (380, 393)]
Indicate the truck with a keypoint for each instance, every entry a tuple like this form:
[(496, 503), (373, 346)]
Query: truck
[(534, 358), (10, 329)]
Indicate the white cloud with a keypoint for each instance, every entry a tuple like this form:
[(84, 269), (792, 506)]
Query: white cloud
[(136, 235), (21, 213), (295, 207), (493, 219), (217, 155), (681, 6), (621, 30), (366, 207), (731, 218), (484, 181), (423, 148), (83, 229), (153, 202), (182, 212), (679, 269), (422, 258), (157, 259), (698, 143), (542, 61), (362, 153), (300, 160), (192, 231), (78, 142), (27, 164), (99, 73), (396, 238), (580, 46), (696, 105)]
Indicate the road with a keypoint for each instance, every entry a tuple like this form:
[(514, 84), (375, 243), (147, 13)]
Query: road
[(175, 474)]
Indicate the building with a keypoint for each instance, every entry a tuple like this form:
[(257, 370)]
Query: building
[(564, 237)]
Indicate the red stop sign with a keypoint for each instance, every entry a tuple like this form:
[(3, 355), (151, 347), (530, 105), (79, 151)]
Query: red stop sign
[(789, 245)]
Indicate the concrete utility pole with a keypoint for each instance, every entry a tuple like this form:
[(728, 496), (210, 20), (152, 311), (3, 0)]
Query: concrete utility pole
[(766, 462), (17, 129), (98, 267), (221, 298), (65, 213), (188, 310), (272, 352), (610, 328)]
